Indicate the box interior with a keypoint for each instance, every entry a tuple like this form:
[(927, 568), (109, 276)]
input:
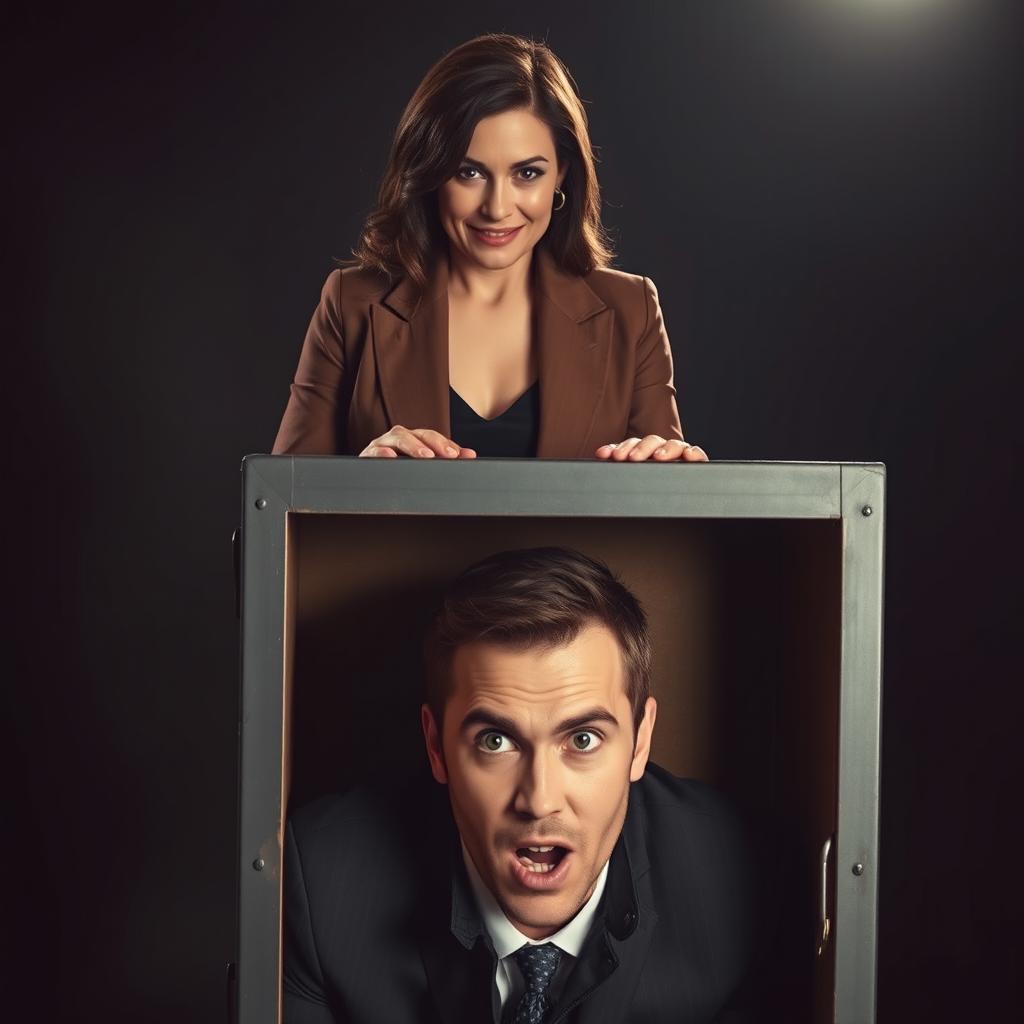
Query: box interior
[(745, 618)]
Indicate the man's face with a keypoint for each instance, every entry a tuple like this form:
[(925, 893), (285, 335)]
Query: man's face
[(537, 750)]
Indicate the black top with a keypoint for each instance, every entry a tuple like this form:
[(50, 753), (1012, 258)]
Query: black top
[(512, 435)]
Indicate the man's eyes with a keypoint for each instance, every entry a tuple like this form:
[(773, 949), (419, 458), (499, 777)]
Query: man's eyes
[(494, 742), (580, 742), (585, 740)]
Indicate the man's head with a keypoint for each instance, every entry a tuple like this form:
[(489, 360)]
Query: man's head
[(538, 717)]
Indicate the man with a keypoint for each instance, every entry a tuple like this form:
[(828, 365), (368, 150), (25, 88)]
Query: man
[(564, 878)]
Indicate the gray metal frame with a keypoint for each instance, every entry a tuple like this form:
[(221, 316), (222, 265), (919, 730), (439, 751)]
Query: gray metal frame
[(275, 486)]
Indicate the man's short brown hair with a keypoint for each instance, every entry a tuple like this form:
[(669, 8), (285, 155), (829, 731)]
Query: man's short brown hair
[(537, 597)]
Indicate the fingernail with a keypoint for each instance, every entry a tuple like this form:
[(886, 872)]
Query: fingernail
[(634, 454), (426, 453), (660, 451), (451, 451)]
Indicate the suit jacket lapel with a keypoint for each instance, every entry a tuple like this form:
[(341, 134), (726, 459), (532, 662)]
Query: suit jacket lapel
[(615, 951), (574, 335), (410, 344), (457, 954), (461, 981)]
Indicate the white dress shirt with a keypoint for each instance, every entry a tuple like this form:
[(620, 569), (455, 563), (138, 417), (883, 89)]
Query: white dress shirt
[(506, 938)]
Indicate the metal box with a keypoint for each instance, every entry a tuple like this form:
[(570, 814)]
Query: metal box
[(763, 585)]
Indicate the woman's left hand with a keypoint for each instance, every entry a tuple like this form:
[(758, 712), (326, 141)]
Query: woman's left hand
[(652, 447)]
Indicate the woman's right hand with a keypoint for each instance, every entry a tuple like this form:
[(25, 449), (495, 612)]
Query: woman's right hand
[(417, 444)]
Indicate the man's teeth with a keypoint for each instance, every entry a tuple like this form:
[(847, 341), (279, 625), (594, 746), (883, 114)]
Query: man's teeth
[(537, 869)]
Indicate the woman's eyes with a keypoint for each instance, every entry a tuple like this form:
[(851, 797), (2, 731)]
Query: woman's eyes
[(535, 172), (579, 742)]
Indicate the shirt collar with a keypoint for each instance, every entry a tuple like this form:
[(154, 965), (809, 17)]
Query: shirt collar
[(504, 935)]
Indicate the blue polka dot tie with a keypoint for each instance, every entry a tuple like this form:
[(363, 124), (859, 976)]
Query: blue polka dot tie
[(538, 964)]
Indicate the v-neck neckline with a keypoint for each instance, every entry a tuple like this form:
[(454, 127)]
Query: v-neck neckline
[(505, 412)]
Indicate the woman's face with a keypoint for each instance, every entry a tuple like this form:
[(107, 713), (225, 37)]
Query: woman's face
[(506, 183)]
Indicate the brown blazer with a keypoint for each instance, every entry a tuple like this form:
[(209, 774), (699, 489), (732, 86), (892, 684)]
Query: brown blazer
[(376, 356)]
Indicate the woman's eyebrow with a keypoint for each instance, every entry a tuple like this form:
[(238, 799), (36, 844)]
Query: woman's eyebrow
[(517, 164)]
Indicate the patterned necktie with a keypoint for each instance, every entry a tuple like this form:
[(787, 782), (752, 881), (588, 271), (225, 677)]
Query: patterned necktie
[(538, 964)]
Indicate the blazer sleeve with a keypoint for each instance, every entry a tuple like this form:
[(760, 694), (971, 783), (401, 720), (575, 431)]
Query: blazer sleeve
[(653, 407), (310, 425)]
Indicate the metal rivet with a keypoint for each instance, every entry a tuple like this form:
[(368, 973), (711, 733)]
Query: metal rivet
[(261, 503), (858, 869), (258, 864), (866, 510)]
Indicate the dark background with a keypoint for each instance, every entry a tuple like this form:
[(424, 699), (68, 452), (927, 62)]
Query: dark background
[(826, 194)]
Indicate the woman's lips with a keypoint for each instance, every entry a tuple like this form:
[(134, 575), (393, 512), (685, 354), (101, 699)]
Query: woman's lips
[(541, 881), (503, 239)]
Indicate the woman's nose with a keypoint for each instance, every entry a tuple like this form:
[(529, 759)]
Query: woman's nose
[(497, 200)]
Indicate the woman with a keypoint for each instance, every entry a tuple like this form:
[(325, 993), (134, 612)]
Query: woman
[(480, 316)]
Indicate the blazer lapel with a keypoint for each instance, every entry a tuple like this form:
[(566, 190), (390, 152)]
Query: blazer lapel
[(410, 344), (574, 335)]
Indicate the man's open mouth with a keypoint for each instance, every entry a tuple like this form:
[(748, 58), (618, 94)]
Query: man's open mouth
[(540, 859)]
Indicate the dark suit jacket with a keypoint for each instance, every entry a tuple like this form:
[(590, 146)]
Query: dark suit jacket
[(377, 355), (381, 924)]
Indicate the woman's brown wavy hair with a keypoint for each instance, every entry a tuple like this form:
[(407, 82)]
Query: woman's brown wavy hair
[(487, 75)]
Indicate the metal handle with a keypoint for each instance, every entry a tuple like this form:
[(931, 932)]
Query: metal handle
[(236, 560), (232, 993), (825, 922)]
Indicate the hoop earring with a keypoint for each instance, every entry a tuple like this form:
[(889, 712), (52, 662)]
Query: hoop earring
[(562, 203)]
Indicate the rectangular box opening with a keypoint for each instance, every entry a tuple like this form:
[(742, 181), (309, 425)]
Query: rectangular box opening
[(745, 618)]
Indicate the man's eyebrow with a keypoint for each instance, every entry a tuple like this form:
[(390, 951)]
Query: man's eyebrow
[(481, 716), (517, 164), (587, 718)]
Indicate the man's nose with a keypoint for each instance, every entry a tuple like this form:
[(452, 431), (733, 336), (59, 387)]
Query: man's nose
[(541, 788)]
